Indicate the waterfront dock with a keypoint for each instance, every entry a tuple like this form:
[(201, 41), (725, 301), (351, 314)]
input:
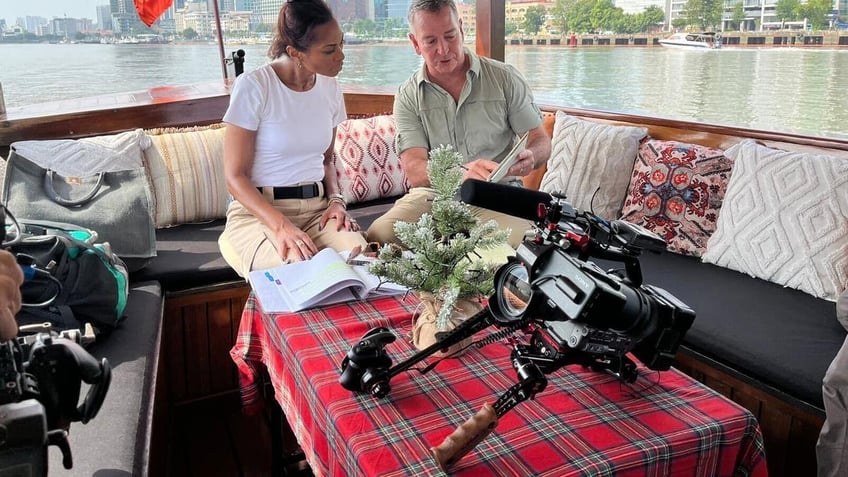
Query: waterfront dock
[(753, 39)]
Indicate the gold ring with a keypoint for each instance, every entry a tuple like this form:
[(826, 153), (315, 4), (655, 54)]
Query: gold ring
[(299, 243)]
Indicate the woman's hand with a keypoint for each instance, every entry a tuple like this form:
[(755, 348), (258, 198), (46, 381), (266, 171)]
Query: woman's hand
[(343, 221), (294, 244)]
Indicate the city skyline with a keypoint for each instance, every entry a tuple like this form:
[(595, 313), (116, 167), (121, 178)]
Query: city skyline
[(11, 11)]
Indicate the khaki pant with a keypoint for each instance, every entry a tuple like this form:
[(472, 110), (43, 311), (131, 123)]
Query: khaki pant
[(832, 447), (419, 200), (247, 244)]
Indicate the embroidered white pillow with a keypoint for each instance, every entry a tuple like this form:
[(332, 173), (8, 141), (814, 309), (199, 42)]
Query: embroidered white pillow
[(186, 168), (588, 156), (785, 219), (366, 159)]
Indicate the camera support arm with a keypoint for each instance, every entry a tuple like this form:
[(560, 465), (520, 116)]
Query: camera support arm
[(368, 368)]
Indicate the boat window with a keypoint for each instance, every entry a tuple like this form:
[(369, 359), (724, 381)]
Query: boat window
[(88, 50)]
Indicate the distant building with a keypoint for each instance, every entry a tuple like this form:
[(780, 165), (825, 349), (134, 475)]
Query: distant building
[(638, 6), (31, 24), (397, 9), (104, 17), (468, 15), (124, 16)]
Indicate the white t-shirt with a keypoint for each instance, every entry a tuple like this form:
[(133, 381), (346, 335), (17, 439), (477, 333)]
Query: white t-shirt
[(293, 128)]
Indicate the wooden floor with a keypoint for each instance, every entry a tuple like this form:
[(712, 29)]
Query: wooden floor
[(216, 439)]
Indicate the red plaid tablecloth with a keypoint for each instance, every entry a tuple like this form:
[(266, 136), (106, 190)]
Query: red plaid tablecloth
[(584, 423)]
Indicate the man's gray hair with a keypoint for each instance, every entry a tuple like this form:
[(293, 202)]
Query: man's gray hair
[(431, 6)]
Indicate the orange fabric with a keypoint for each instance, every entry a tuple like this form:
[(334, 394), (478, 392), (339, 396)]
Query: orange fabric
[(150, 10)]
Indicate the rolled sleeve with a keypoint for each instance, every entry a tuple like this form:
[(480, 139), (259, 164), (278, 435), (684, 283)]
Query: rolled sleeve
[(410, 129), (524, 114)]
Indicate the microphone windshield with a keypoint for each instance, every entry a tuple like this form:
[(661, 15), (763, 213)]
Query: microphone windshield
[(510, 200)]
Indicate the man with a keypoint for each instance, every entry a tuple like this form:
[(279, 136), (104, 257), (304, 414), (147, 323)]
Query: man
[(11, 278), (832, 447), (477, 105)]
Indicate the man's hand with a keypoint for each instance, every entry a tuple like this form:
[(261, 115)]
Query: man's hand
[(479, 169), (524, 164), (11, 278)]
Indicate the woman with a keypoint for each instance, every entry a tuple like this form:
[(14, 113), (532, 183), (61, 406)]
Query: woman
[(278, 148)]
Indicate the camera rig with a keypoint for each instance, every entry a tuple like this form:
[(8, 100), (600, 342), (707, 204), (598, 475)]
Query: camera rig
[(41, 374), (573, 311)]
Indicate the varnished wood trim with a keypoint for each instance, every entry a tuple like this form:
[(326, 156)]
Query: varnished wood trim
[(201, 326), (491, 28), (790, 427)]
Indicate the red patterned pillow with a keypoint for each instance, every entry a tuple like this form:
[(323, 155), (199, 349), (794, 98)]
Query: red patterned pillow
[(366, 159), (676, 190)]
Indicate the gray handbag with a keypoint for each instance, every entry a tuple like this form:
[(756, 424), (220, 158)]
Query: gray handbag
[(118, 205)]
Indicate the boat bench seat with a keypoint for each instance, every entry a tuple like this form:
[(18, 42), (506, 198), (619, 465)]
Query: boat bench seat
[(782, 338), (188, 255), (117, 441)]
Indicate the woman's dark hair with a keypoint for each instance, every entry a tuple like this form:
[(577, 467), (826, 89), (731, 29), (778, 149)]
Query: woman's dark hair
[(296, 23)]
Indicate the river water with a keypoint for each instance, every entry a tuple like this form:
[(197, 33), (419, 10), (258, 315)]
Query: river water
[(780, 89)]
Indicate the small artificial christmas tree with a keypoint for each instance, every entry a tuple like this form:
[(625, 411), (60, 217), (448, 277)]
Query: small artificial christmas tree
[(440, 263)]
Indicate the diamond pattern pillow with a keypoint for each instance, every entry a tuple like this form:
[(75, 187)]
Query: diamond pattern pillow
[(186, 168), (366, 159), (587, 157), (676, 191), (785, 219)]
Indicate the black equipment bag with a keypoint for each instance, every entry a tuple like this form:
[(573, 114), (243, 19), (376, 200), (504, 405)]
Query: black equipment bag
[(70, 279)]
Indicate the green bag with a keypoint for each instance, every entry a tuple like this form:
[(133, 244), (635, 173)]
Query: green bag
[(71, 280)]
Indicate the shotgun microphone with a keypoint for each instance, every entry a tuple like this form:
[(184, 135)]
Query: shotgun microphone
[(510, 200)]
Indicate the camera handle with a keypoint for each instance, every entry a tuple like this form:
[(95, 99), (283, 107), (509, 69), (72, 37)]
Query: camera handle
[(466, 437), (59, 364), (531, 363)]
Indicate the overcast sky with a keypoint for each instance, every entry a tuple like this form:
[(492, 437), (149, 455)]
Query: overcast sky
[(10, 10)]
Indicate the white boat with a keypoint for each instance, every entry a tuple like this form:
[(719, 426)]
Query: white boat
[(704, 40)]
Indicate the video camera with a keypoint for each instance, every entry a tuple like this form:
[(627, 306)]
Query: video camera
[(41, 372), (575, 312), (582, 309)]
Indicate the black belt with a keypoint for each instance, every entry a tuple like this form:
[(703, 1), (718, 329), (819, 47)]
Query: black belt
[(306, 191)]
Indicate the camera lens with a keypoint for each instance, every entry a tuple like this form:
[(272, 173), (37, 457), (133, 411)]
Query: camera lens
[(513, 290)]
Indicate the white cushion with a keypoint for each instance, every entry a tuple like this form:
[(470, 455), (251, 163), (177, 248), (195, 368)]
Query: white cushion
[(586, 156), (785, 219)]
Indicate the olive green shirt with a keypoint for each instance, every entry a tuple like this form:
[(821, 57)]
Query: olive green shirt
[(494, 106)]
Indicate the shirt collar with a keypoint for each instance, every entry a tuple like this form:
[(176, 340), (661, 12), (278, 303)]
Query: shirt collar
[(474, 61)]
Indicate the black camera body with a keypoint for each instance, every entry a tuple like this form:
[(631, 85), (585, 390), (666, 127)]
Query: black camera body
[(585, 309), (40, 381), (582, 309)]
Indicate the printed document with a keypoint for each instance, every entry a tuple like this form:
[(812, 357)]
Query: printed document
[(326, 278), (508, 160)]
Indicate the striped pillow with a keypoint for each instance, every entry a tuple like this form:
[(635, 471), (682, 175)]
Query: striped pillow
[(186, 168)]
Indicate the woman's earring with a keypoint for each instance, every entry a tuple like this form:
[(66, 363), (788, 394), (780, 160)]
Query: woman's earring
[(300, 64)]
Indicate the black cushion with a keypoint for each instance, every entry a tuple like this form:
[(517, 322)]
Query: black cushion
[(779, 336), (188, 254), (116, 442)]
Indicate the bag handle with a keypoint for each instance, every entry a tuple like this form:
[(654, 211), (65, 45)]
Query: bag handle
[(51, 192)]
